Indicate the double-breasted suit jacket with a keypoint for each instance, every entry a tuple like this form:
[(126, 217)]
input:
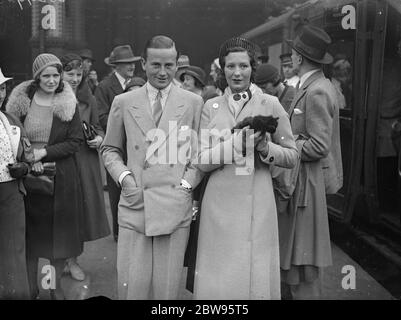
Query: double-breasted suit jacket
[(158, 205), (303, 229)]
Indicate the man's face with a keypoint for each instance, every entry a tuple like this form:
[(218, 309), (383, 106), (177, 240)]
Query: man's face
[(296, 63), (288, 69), (86, 65), (93, 75), (160, 66), (126, 70)]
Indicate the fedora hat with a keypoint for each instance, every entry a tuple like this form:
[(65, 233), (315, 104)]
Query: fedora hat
[(121, 54), (195, 72), (3, 79), (86, 54), (312, 43)]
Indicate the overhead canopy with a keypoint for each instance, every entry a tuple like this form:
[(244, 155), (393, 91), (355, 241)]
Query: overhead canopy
[(396, 4), (269, 25)]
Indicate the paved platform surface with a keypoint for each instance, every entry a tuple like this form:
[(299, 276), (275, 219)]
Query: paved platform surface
[(99, 263)]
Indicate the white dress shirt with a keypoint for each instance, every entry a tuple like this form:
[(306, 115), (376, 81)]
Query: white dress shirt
[(122, 80), (306, 76), (152, 94), (293, 81)]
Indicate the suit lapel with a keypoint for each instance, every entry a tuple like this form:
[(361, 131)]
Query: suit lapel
[(173, 112), (140, 111), (302, 91), (116, 85)]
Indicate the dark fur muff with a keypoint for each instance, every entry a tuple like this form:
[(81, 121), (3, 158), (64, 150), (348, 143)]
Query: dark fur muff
[(258, 123)]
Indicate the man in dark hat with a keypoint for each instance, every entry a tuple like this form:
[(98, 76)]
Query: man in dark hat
[(304, 230), (122, 57), (267, 77), (290, 76)]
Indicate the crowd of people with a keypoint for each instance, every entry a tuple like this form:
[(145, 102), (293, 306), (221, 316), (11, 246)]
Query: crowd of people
[(246, 210)]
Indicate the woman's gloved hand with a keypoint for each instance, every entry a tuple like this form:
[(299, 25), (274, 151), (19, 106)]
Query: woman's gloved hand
[(18, 170)]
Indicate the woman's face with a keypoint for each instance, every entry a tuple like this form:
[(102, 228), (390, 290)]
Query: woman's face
[(2, 93), (238, 71), (213, 72), (73, 77), (189, 83), (49, 80)]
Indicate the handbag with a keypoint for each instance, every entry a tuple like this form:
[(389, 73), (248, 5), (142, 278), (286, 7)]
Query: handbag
[(89, 130), (44, 183)]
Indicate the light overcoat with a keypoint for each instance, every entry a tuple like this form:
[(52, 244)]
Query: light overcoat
[(238, 252), (303, 227)]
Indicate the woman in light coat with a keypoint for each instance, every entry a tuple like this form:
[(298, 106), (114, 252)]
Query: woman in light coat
[(238, 250)]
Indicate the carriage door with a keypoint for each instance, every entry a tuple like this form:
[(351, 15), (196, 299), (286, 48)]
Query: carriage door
[(382, 187), (346, 25)]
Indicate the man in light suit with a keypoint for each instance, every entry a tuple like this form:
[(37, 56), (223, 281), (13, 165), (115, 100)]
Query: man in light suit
[(155, 208), (303, 230)]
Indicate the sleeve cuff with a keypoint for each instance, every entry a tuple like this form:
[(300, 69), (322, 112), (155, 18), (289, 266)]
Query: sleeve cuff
[(122, 176)]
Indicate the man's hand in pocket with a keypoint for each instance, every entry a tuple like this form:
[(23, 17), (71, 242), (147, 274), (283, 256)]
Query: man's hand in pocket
[(129, 181)]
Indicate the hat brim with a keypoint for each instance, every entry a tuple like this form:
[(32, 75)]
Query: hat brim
[(180, 71), (89, 58), (107, 61), (4, 80), (327, 59), (193, 74), (128, 60)]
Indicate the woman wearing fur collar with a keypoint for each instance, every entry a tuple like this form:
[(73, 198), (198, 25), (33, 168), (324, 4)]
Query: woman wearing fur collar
[(47, 108)]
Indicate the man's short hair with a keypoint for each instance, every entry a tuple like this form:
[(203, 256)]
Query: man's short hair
[(159, 42)]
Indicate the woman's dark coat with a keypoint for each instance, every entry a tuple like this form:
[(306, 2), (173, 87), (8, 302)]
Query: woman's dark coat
[(65, 218)]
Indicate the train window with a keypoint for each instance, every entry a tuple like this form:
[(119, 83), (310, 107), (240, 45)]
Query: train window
[(340, 71), (389, 109)]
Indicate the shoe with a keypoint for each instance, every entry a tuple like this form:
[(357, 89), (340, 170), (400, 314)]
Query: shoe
[(76, 272)]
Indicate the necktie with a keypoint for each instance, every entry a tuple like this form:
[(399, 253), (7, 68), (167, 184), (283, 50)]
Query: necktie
[(157, 109), (126, 83), (297, 86)]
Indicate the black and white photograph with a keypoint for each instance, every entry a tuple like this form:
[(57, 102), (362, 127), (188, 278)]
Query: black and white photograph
[(200, 154)]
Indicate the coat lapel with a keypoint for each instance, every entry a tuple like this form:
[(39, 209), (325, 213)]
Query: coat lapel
[(302, 91), (115, 84), (223, 113), (140, 111), (173, 112)]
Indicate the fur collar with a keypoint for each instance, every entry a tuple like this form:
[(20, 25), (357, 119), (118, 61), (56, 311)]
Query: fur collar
[(64, 103)]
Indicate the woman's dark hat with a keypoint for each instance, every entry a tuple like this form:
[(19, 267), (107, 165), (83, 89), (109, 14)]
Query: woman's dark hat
[(235, 43), (266, 73), (195, 72), (67, 58), (312, 43), (86, 54), (121, 54)]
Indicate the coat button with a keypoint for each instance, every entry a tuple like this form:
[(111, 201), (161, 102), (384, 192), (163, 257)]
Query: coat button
[(271, 159), (136, 147), (172, 165)]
